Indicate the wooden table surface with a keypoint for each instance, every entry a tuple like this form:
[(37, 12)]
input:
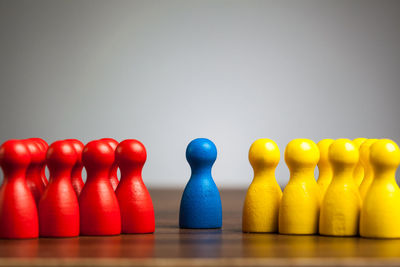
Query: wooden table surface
[(171, 246)]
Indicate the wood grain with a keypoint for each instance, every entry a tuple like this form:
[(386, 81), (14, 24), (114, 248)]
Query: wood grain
[(171, 246)]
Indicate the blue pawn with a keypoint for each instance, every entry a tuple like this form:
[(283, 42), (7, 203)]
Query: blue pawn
[(201, 202)]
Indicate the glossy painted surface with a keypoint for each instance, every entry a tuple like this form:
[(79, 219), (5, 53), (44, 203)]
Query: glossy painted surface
[(113, 174), (58, 207), (18, 212), (76, 173), (368, 171), (380, 214), (340, 208), (324, 165), (99, 209), (34, 177), (201, 203), (261, 205), (137, 212), (301, 200), (359, 169)]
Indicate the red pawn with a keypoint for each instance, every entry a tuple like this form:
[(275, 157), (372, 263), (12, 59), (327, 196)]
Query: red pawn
[(43, 146), (59, 208), (34, 170), (98, 204), (137, 213), (76, 174), (113, 174), (18, 213)]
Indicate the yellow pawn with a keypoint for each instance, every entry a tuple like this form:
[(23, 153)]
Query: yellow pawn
[(340, 208), (359, 169), (368, 172), (261, 206), (299, 208), (380, 214), (324, 166)]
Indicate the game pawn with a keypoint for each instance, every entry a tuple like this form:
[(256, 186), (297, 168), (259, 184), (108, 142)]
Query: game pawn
[(58, 207), (340, 208), (137, 213), (201, 203), (113, 174), (301, 199), (43, 146), (18, 212), (98, 205), (34, 177), (368, 171), (76, 174), (359, 169), (261, 206), (324, 166), (380, 213)]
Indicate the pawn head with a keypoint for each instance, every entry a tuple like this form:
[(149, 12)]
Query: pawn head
[(385, 154), (14, 153), (97, 153), (343, 152), (37, 151), (201, 152), (301, 153), (359, 141), (365, 151), (61, 154), (130, 153), (264, 153), (323, 147), (111, 142), (78, 146), (42, 143)]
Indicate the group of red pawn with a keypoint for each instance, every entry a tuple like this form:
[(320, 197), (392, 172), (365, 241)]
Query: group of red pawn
[(65, 206)]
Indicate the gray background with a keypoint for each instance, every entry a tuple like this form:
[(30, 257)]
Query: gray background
[(165, 72)]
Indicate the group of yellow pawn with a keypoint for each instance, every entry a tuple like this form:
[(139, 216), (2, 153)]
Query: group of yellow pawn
[(356, 192)]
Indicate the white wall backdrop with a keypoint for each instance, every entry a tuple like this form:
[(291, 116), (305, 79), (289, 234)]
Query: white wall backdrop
[(165, 72)]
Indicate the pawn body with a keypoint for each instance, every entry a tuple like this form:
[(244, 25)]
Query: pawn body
[(137, 213), (359, 169), (340, 209), (261, 206), (76, 173), (324, 166), (368, 171), (34, 171), (98, 205), (113, 174), (201, 203), (300, 204), (18, 212), (380, 213), (58, 207)]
